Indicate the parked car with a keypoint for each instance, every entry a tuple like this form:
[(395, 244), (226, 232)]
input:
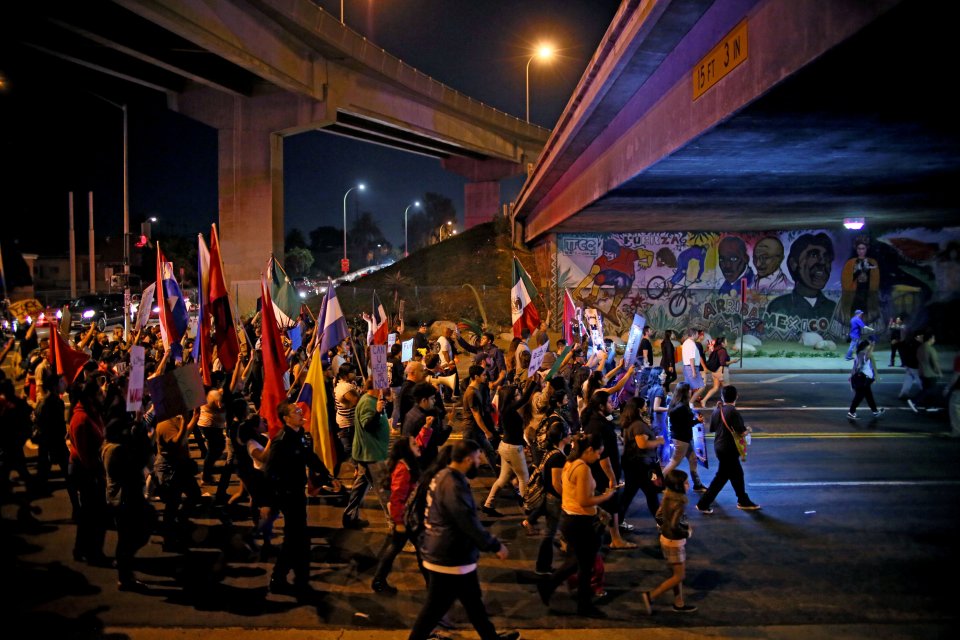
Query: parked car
[(101, 308)]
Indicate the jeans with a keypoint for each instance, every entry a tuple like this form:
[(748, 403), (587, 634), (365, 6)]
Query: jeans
[(372, 473), (295, 552), (216, 444), (443, 589), (477, 435), (512, 463), (911, 380), (551, 512), (345, 435)]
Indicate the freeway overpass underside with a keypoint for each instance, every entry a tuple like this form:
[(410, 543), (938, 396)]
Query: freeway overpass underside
[(260, 70), (732, 115)]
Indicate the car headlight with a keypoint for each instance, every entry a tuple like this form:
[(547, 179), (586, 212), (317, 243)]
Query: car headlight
[(59, 314), (303, 294), (89, 313)]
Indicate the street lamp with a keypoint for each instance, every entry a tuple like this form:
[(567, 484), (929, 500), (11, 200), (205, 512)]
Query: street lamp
[(543, 52), (360, 186), (406, 242)]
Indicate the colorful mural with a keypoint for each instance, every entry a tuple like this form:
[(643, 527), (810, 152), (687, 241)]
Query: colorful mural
[(793, 282)]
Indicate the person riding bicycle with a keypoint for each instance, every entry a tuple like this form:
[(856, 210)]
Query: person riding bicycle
[(696, 252)]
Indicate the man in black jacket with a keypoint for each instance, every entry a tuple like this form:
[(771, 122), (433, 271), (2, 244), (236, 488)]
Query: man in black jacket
[(450, 546), (288, 456)]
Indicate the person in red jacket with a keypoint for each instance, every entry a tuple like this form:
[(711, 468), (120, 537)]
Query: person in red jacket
[(404, 468), (86, 432)]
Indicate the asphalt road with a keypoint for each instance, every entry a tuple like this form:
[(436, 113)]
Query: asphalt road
[(857, 532)]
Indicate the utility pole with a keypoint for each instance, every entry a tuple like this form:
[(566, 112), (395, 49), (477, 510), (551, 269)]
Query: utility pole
[(90, 242)]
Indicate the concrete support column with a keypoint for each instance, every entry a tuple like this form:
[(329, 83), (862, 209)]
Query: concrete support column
[(482, 193), (250, 167)]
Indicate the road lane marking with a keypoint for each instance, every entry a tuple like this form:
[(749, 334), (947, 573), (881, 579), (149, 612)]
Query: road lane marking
[(805, 408), (784, 377)]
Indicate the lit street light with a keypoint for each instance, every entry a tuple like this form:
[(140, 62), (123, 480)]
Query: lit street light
[(449, 229), (345, 262), (406, 243), (543, 52)]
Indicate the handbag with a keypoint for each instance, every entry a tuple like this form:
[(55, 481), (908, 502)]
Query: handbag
[(602, 521), (739, 439)]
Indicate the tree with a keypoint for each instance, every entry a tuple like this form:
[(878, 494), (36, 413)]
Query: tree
[(295, 239), (437, 210), (365, 238), (298, 261), (326, 249)]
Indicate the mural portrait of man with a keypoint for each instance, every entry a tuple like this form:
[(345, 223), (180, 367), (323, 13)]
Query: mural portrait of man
[(734, 264), (810, 262), (767, 259)]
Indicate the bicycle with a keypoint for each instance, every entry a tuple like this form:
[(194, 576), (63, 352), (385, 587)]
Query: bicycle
[(658, 286)]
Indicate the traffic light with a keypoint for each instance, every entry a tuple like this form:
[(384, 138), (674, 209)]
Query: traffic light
[(143, 240)]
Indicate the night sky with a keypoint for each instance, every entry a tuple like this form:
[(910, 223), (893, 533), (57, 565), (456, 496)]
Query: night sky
[(57, 136)]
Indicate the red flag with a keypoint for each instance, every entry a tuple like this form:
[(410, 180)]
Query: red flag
[(378, 322), (225, 331), (68, 361), (274, 363)]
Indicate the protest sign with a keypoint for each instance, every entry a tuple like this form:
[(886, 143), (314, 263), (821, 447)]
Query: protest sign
[(407, 353), (135, 382), (176, 392), (378, 363), (633, 342), (536, 358)]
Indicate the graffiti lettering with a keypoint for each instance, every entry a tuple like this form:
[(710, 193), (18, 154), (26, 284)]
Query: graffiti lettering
[(580, 245)]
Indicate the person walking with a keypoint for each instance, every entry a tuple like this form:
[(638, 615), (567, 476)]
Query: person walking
[(286, 462), (577, 523), (641, 467), (717, 364), (911, 366), (371, 447), (862, 377), (404, 468), (514, 398), (857, 328), (692, 364), (896, 339), (551, 471), (87, 474), (682, 418), (668, 358), (674, 533), (727, 423), (930, 372), (450, 546)]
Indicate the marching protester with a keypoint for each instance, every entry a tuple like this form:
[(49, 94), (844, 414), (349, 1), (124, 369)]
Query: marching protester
[(674, 532), (682, 420), (862, 376), (727, 423), (641, 466)]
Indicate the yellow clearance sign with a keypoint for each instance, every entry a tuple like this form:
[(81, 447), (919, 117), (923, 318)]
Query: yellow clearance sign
[(721, 60)]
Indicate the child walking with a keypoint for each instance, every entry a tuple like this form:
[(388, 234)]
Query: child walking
[(673, 539)]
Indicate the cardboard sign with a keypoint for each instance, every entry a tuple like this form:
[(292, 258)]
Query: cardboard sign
[(633, 342), (135, 383), (407, 354), (177, 392), (378, 364), (391, 340), (145, 306), (536, 358)]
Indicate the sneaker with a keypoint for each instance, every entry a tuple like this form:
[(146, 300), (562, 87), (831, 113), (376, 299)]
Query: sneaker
[(490, 511), (700, 488), (912, 406), (747, 506), (705, 510), (687, 608), (879, 412), (382, 586), (626, 526), (543, 574), (851, 415), (509, 635)]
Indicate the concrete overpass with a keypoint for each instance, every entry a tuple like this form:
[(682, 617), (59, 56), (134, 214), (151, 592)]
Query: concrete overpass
[(712, 143), (830, 108), (260, 70)]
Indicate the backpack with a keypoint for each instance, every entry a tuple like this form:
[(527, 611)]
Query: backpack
[(536, 493), (713, 362), (414, 510)]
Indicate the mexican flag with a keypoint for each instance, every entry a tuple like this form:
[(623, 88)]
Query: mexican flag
[(523, 313)]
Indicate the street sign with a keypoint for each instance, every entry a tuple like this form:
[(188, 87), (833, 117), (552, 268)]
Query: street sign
[(722, 59)]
